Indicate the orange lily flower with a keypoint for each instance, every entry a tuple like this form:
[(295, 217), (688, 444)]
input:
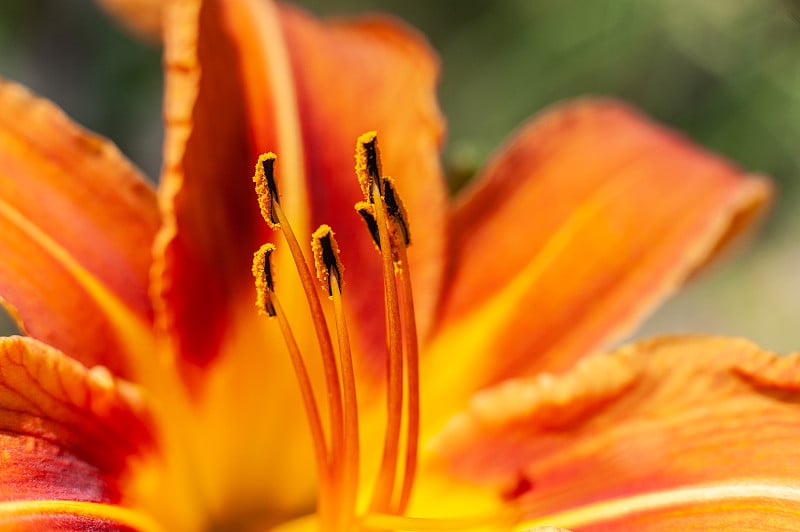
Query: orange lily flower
[(150, 395)]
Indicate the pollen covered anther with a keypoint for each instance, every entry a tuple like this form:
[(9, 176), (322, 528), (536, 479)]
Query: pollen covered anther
[(396, 211), (368, 163), (266, 188), (367, 212), (262, 271), (326, 257)]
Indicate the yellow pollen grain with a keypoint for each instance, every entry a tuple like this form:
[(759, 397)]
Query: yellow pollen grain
[(263, 191), (362, 161), (263, 284)]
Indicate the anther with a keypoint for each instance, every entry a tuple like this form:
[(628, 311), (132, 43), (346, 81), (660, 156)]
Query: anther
[(326, 257), (368, 163), (367, 212), (396, 210), (262, 271), (266, 188)]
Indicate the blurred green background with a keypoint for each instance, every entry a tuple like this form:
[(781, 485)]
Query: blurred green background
[(725, 72)]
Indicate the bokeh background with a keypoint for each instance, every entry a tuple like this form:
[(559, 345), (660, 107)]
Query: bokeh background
[(725, 72)]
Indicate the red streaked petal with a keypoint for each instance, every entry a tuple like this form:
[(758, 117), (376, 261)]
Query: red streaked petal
[(377, 74), (275, 79), (650, 420), (587, 219), (76, 226), (243, 78), (66, 432)]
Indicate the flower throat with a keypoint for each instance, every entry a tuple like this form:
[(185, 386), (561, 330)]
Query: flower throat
[(337, 454)]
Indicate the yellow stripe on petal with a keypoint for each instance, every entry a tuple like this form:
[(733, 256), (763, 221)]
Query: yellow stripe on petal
[(758, 503), (570, 236), (91, 515), (656, 417), (133, 332), (76, 225)]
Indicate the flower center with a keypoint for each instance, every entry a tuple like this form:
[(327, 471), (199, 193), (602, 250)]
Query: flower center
[(336, 450)]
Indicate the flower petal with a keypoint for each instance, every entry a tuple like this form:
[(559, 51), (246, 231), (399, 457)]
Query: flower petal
[(76, 226), (583, 223), (141, 17), (673, 420), (242, 78), (66, 434), (249, 77), (77, 516), (732, 506)]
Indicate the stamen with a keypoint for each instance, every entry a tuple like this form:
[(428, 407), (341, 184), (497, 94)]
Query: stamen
[(368, 163), (368, 170), (338, 459), (267, 193), (387, 221), (329, 272), (266, 293), (266, 188)]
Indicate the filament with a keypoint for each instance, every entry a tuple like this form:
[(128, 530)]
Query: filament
[(309, 402), (384, 485), (323, 336), (411, 345)]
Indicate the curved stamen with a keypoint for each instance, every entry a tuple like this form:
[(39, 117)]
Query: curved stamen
[(268, 303), (400, 239), (329, 272), (269, 197), (386, 220), (384, 485), (338, 463)]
